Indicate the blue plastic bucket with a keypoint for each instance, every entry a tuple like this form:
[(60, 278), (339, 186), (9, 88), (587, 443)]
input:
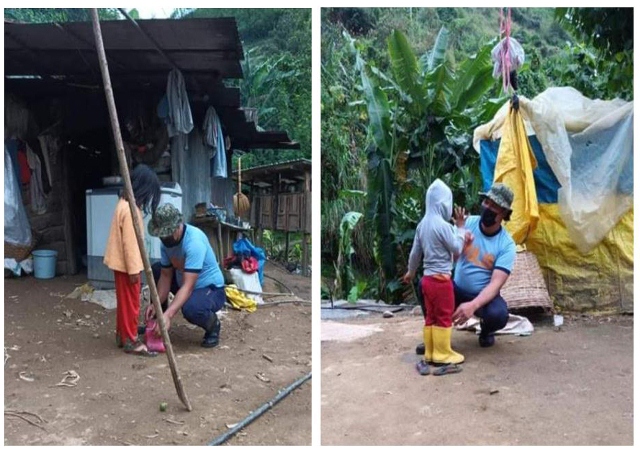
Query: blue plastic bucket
[(44, 263)]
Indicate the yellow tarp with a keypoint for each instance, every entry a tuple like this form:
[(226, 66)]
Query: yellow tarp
[(239, 300), (598, 281), (514, 167)]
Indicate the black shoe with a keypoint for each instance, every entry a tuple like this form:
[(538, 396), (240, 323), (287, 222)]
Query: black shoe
[(212, 333), (420, 349), (486, 340)]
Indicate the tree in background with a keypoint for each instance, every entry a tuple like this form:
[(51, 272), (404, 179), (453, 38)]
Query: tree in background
[(600, 64), (277, 72), (49, 15)]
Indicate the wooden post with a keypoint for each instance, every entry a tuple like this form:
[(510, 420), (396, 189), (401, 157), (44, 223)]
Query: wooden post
[(305, 254), (305, 220), (124, 171), (221, 256), (67, 215), (286, 246)]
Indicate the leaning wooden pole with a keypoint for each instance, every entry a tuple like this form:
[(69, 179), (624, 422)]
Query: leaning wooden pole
[(124, 171)]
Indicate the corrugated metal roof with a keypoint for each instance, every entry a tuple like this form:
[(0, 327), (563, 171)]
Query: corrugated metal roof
[(64, 60), (211, 46), (294, 168)]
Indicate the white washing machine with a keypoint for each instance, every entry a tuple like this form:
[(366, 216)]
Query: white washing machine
[(101, 203)]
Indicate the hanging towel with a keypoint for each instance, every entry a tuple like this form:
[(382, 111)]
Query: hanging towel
[(214, 138), (180, 119)]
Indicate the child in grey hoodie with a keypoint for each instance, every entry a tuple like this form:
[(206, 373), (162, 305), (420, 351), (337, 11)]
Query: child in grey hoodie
[(439, 243)]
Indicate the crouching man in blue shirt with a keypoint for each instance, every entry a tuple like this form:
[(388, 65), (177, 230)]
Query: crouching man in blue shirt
[(188, 268)]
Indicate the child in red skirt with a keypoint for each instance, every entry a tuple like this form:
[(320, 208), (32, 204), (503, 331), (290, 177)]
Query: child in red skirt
[(123, 257), (439, 243)]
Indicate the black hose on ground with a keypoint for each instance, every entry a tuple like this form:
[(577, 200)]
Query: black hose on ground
[(259, 412)]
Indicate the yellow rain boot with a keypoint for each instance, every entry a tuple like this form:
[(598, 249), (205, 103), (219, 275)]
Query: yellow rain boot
[(442, 352), (427, 334)]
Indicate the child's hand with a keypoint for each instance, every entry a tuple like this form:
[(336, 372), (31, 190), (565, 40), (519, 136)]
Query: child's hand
[(407, 278), (468, 238), (459, 216)]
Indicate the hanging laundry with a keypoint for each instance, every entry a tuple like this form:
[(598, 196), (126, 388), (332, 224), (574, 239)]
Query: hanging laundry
[(179, 110), (23, 164), (36, 148), (214, 138), (49, 147), (38, 200)]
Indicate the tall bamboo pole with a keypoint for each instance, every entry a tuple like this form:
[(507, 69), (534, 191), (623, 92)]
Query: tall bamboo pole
[(124, 171)]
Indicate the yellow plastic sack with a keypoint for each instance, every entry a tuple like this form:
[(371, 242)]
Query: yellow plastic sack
[(239, 300), (514, 167)]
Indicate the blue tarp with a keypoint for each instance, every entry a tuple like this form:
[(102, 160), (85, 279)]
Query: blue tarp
[(546, 183)]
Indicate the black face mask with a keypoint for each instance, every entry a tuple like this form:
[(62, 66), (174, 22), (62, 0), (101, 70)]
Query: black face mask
[(488, 217), (169, 242)]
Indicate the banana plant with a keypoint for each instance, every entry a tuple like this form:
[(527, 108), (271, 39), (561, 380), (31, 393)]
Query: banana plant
[(345, 279), (427, 110)]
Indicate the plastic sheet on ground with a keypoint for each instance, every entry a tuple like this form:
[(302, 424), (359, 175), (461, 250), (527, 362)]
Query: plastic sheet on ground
[(516, 325), (17, 268)]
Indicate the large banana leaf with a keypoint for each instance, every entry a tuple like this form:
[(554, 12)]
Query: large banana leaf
[(472, 79), (435, 56), (382, 76), (405, 68), (439, 81), (481, 84), (377, 108)]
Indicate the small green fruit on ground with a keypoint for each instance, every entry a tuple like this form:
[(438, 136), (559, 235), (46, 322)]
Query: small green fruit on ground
[(163, 406)]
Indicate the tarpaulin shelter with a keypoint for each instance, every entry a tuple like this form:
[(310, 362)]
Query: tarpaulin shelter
[(577, 214)]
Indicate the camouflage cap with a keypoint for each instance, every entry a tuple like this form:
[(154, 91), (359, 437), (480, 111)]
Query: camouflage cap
[(500, 194), (165, 221)]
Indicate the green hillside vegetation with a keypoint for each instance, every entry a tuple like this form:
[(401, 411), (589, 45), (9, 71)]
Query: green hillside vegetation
[(277, 73)]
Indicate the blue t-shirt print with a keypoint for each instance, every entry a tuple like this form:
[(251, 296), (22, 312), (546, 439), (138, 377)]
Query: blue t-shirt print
[(195, 255), (482, 256)]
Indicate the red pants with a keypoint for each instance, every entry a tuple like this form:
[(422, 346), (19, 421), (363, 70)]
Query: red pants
[(128, 309), (439, 301)]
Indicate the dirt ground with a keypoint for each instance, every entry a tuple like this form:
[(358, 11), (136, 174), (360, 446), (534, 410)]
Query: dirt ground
[(573, 386), (116, 400)]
